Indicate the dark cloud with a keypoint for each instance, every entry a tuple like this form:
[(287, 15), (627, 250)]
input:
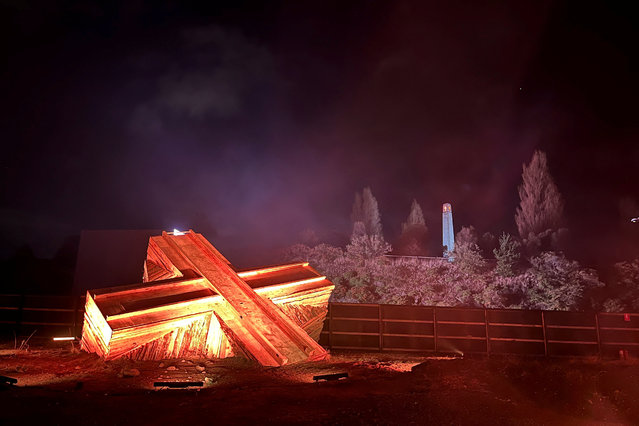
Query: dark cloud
[(259, 123), (209, 74)]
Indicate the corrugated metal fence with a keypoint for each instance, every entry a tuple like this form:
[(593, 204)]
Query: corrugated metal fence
[(396, 328)]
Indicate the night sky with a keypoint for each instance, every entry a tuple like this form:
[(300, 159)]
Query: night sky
[(252, 122)]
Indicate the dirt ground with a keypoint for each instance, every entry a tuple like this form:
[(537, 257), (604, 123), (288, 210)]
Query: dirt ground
[(57, 385)]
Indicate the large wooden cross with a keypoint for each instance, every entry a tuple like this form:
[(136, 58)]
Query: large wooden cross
[(194, 304)]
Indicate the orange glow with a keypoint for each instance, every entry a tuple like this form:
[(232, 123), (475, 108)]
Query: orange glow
[(193, 304), (271, 269), (291, 284)]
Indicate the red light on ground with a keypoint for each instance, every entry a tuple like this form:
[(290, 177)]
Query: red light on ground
[(626, 317)]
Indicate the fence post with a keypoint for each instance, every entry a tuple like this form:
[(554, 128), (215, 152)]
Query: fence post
[(75, 315), (330, 326), (380, 328), (598, 335), (435, 327), (487, 335), (20, 314), (543, 328)]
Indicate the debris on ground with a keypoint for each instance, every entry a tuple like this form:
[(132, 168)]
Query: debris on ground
[(130, 372), (382, 388)]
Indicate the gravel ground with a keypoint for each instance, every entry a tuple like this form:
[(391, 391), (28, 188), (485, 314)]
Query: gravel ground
[(63, 386)]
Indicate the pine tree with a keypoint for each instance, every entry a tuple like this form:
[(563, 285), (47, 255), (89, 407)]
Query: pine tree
[(468, 259), (367, 240), (507, 255), (415, 217), (365, 210), (556, 283), (413, 239), (541, 207), (367, 247), (372, 218), (359, 230), (467, 255)]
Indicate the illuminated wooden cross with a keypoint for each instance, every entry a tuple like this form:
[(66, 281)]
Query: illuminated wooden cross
[(194, 304)]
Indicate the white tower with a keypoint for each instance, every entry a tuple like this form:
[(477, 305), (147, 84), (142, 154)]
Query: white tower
[(448, 234)]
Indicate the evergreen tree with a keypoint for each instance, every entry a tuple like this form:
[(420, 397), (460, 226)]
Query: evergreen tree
[(372, 218), (415, 217), (364, 246), (556, 283), (507, 255), (365, 210), (541, 207), (359, 230), (413, 239), (467, 255), (624, 288)]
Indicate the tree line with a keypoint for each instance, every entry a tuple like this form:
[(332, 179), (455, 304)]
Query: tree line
[(526, 271)]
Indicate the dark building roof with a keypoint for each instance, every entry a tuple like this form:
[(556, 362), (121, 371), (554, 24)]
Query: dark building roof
[(118, 255)]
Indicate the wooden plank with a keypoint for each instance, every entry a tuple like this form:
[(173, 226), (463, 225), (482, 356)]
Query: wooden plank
[(409, 335), (500, 324), (620, 343), (127, 340), (370, 305), (619, 314), (407, 350), (435, 326), (355, 319), (487, 335), (598, 335), (380, 327), (572, 327), (409, 321), (515, 339), (462, 337), (462, 322), (252, 315), (141, 290), (543, 328), (96, 332), (330, 326), (619, 328), (365, 348)]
